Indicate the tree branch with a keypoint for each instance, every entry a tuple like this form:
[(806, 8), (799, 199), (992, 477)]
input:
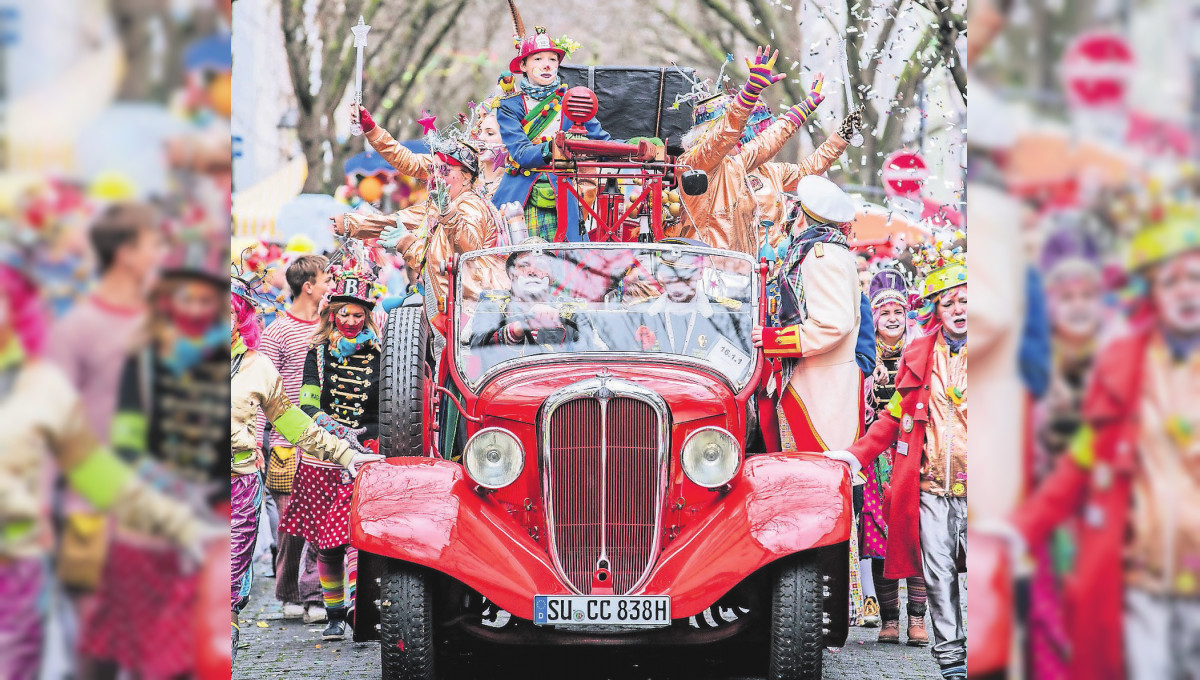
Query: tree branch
[(706, 46)]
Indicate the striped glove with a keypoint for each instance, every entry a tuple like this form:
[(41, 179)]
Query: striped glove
[(760, 76), (800, 112)]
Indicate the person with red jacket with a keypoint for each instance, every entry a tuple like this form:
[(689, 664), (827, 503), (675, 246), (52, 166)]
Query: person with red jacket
[(1132, 477), (926, 419)]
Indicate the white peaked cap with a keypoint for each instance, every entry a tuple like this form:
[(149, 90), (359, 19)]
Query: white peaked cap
[(825, 200)]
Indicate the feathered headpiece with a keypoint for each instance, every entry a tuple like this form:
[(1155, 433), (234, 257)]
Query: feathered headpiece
[(538, 42)]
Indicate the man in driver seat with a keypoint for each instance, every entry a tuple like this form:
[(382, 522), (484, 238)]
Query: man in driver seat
[(684, 319), (529, 316)]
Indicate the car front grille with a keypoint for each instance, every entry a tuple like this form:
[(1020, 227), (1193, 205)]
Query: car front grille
[(604, 473)]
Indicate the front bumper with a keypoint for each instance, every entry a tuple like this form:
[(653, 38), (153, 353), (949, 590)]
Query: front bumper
[(427, 512)]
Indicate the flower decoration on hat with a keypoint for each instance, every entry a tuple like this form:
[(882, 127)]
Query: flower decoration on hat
[(527, 44), (942, 266), (1169, 229)]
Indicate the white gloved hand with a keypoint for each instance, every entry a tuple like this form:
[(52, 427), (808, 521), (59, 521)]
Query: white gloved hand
[(391, 236), (847, 458), (359, 460), (1008, 533), (196, 552)]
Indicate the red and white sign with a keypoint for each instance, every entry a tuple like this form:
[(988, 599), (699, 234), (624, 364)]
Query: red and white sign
[(903, 173), (1097, 68)]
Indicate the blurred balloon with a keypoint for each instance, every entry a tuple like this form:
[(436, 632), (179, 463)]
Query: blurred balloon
[(220, 94), (112, 186), (300, 244), (371, 189)]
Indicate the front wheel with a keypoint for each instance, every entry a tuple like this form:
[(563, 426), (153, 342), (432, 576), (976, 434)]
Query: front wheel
[(797, 604), (406, 647)]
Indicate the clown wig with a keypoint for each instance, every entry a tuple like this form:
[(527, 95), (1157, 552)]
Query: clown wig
[(247, 324), (26, 315)]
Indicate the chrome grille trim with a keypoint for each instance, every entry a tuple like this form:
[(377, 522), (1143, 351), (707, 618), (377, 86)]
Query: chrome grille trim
[(600, 391)]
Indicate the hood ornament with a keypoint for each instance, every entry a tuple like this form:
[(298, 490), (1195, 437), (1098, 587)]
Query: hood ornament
[(603, 393)]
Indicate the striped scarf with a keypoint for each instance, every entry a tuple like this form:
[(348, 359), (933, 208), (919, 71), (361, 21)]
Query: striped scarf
[(539, 92)]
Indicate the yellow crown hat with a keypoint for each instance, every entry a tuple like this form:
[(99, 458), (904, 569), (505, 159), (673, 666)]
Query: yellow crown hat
[(943, 267), (1172, 230)]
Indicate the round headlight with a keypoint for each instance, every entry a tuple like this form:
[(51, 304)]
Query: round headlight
[(494, 458), (711, 457)]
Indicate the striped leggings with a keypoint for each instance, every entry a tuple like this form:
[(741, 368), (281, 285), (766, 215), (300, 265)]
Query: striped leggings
[(888, 592), (338, 571)]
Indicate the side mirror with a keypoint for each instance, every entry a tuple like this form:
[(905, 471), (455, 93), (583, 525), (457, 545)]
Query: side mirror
[(694, 182)]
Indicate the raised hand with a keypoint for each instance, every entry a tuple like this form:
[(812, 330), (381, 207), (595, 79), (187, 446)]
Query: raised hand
[(851, 124), (761, 76), (799, 113), (365, 119)]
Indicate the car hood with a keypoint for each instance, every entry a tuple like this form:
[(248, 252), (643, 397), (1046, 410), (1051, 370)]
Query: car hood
[(691, 394)]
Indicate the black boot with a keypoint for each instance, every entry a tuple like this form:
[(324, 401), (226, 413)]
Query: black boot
[(337, 628)]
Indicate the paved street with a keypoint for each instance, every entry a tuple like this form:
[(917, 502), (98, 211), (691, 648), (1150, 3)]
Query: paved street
[(277, 649)]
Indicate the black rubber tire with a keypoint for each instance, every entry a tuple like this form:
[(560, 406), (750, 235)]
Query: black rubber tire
[(797, 642), (406, 614), (402, 397)]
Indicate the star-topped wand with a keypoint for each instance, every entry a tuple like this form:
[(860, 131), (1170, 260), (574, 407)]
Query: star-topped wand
[(360, 41), (856, 140)]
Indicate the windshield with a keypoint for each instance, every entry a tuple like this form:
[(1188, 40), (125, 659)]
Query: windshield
[(519, 303)]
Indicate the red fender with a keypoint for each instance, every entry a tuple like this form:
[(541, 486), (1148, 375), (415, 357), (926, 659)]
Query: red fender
[(427, 512)]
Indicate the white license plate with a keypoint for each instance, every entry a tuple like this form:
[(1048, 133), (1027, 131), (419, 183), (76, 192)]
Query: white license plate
[(602, 610)]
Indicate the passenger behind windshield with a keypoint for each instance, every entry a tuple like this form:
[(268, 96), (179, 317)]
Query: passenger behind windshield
[(684, 320), (529, 318)]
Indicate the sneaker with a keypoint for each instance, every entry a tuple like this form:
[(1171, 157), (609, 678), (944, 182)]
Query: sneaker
[(337, 628), (889, 634), (917, 637), (955, 672), (291, 610), (315, 613), (871, 613), (234, 637)]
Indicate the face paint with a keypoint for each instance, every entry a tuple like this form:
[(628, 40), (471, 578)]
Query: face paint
[(350, 320), (1176, 290), (952, 311)]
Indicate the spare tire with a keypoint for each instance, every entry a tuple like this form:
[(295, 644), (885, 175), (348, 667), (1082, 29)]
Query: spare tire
[(406, 386)]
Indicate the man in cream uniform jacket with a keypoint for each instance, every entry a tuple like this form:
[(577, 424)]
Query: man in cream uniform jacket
[(822, 402)]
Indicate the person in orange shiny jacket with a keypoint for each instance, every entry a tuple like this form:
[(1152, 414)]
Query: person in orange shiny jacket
[(725, 216)]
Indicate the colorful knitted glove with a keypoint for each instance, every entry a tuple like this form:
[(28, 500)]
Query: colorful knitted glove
[(760, 76), (800, 112), (364, 119), (346, 434)]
